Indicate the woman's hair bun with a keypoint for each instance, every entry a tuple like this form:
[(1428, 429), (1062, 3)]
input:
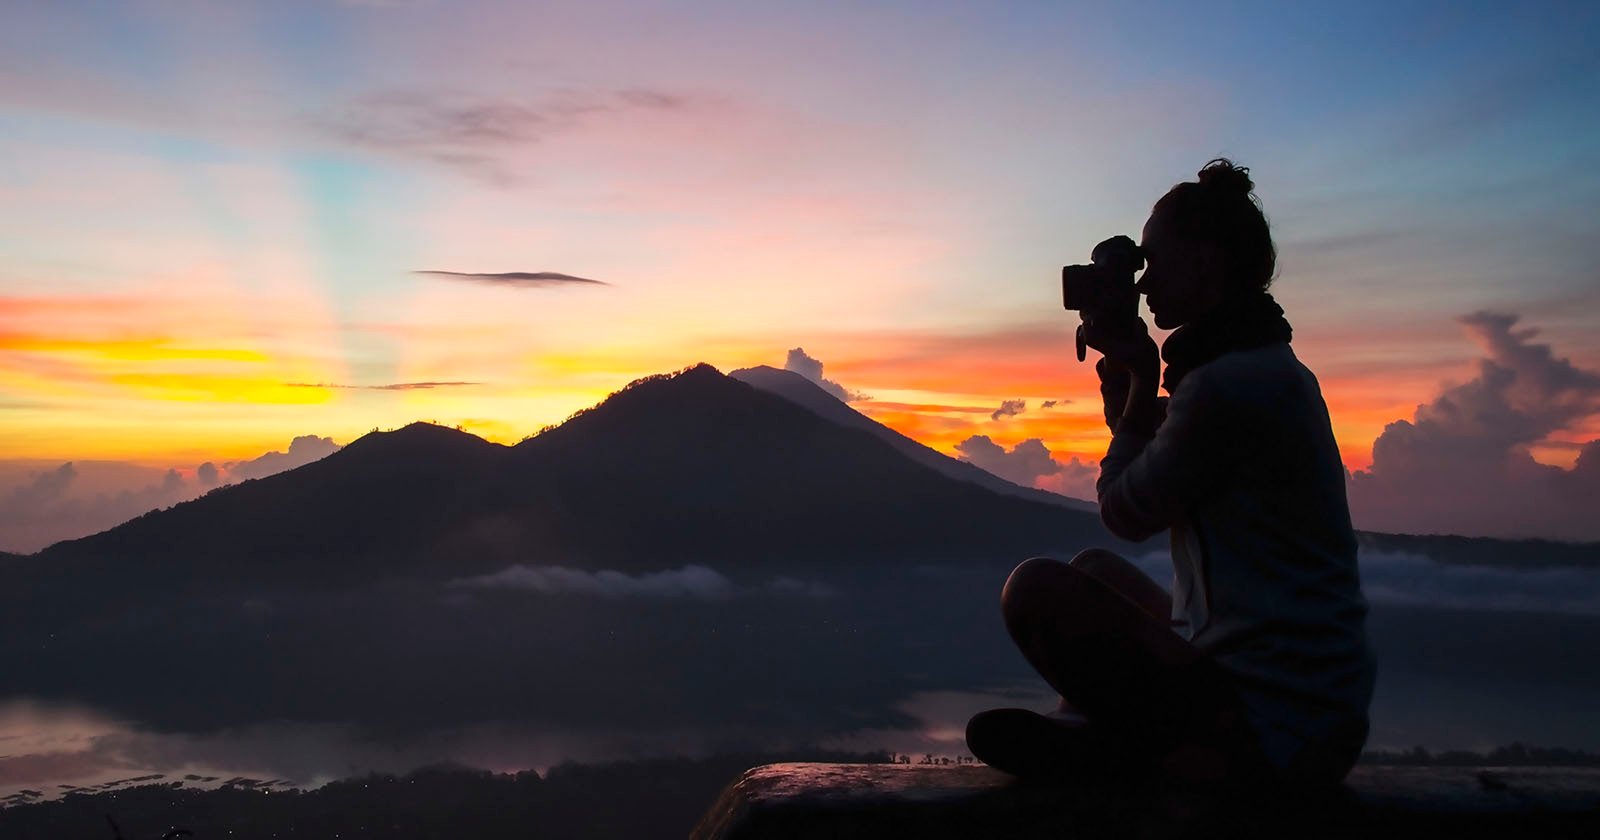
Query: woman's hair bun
[(1221, 208), (1221, 174)]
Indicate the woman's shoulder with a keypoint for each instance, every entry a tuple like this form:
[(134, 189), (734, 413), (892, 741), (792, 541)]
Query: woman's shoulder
[(1270, 373)]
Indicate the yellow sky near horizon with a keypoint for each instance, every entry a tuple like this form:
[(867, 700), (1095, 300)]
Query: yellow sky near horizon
[(160, 381)]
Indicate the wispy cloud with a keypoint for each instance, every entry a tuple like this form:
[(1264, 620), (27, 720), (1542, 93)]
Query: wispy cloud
[(479, 136), (416, 119), (524, 279), (393, 386)]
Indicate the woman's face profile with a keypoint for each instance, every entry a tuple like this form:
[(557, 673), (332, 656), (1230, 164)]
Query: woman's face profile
[(1179, 283)]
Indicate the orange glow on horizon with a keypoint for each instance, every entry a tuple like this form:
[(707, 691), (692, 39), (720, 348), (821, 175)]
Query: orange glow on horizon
[(153, 379)]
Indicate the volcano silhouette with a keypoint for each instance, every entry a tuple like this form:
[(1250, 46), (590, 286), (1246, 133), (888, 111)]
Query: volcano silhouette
[(674, 469)]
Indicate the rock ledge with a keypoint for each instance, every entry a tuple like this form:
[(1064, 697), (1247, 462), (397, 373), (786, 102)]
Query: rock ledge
[(886, 800)]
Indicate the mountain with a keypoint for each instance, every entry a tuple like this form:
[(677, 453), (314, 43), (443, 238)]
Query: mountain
[(844, 578), (701, 465), (802, 391), (694, 467)]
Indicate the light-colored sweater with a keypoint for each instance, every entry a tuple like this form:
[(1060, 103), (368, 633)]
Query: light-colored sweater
[(1244, 473)]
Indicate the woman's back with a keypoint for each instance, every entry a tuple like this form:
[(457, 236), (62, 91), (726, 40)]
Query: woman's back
[(1265, 557)]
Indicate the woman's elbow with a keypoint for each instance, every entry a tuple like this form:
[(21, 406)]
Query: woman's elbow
[(1124, 527)]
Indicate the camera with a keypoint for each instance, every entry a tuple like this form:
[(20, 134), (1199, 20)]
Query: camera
[(1103, 290)]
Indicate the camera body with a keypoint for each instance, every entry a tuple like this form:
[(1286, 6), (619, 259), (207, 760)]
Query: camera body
[(1103, 290)]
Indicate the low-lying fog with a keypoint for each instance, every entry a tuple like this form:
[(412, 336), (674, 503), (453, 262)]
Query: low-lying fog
[(538, 665)]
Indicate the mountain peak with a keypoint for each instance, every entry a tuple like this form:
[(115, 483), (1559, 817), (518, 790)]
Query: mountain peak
[(762, 370), (655, 397), (418, 435), (696, 375), (698, 372)]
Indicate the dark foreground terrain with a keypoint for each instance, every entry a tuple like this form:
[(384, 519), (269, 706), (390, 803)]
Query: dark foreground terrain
[(640, 799)]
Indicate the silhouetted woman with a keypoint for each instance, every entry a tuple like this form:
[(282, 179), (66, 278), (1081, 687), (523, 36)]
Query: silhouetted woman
[(1257, 667)]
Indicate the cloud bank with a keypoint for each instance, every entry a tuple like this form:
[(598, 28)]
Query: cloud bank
[(1030, 464), (302, 450), (1396, 578), (77, 499), (803, 364), (1076, 479), (1461, 465), (1413, 579)]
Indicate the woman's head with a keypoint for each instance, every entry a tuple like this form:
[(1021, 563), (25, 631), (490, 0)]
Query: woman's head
[(1206, 241)]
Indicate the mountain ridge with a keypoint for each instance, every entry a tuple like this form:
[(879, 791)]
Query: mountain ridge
[(427, 499), (671, 470)]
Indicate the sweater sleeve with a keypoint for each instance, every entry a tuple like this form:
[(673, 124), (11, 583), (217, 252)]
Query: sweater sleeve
[(1114, 395), (1147, 481)]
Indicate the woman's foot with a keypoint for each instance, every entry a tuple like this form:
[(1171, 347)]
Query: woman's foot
[(1029, 745)]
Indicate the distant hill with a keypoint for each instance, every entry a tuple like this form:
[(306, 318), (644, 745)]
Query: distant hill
[(801, 391), (1487, 551), (693, 467), (351, 516)]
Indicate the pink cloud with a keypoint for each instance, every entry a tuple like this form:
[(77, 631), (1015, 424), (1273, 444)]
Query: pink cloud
[(78, 499), (1462, 464)]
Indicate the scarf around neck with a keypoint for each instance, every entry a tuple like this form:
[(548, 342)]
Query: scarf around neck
[(1241, 323)]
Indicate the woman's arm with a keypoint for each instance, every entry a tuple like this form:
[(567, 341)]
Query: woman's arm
[(1155, 467), (1163, 453)]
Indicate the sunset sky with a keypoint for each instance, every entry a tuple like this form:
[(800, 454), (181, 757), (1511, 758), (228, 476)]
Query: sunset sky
[(217, 220)]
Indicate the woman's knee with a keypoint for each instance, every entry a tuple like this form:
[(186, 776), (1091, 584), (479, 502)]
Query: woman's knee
[(1037, 583), (1098, 561), (1126, 580)]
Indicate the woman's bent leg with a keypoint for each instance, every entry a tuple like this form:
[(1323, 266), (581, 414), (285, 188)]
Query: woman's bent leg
[(1139, 684), (1116, 572)]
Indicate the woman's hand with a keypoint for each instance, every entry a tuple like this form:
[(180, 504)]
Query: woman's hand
[(1126, 346)]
